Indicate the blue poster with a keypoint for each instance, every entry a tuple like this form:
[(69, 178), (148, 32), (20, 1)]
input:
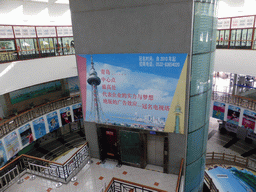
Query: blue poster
[(39, 127), (233, 114), (77, 111), (12, 144), (53, 121), (218, 110), (26, 134), (145, 91), (65, 115), (3, 158)]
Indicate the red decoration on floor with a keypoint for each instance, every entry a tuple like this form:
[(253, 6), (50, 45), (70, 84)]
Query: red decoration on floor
[(27, 177), (124, 172), (156, 184), (101, 178), (76, 183), (49, 189), (98, 163)]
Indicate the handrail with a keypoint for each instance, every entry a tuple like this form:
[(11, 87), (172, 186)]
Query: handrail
[(40, 159), (241, 101), (27, 111), (210, 183), (245, 162), (22, 118), (132, 183), (179, 178)]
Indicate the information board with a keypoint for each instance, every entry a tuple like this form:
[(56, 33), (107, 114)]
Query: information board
[(6, 32), (242, 22), (223, 23)]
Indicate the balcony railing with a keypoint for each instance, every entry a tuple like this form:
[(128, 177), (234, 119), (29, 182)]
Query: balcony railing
[(234, 99), (119, 185), (13, 171), (20, 119)]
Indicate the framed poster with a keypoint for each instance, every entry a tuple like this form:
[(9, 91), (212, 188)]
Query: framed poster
[(39, 127), (3, 158), (26, 134), (53, 121), (65, 115), (145, 91), (249, 118), (233, 114), (12, 144), (77, 111), (218, 110)]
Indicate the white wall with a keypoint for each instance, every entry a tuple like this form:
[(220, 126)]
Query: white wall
[(235, 61), (21, 74)]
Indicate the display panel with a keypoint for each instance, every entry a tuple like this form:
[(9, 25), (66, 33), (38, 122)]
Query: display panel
[(218, 110), (53, 121), (6, 32), (65, 115), (249, 118), (242, 22), (39, 127), (134, 90), (26, 134), (3, 158), (7, 45), (77, 111), (233, 114), (12, 144), (223, 24)]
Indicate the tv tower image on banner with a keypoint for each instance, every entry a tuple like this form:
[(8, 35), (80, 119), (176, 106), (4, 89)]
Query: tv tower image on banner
[(94, 81)]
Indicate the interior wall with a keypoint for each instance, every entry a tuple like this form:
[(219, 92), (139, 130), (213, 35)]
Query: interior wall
[(235, 61), (21, 74)]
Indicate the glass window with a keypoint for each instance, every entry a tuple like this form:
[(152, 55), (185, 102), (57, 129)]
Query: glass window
[(233, 38), (249, 38), (226, 38), (244, 37), (221, 42), (7, 51), (217, 37), (238, 37), (254, 40)]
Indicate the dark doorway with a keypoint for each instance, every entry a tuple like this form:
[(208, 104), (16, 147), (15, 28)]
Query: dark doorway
[(109, 147)]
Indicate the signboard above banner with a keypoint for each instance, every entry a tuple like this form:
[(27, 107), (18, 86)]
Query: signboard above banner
[(46, 31), (223, 24), (24, 32), (6, 32), (64, 31), (242, 22)]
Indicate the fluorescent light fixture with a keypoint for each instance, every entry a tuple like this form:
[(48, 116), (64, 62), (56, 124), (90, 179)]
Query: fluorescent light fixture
[(62, 1), (44, 1)]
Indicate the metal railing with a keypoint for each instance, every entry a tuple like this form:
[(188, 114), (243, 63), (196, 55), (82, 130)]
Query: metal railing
[(234, 99), (209, 183), (21, 119), (180, 174), (13, 171), (212, 158), (119, 185)]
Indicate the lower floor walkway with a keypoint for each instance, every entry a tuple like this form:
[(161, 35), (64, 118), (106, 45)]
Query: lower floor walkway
[(93, 177)]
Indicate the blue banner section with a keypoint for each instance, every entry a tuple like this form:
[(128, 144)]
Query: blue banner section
[(12, 144), (53, 121), (3, 158), (134, 90), (39, 127)]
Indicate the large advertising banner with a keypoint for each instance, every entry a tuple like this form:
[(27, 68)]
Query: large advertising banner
[(53, 121), (3, 158), (39, 127), (26, 134), (249, 118), (218, 110), (144, 91), (77, 111), (233, 114), (65, 115), (12, 144)]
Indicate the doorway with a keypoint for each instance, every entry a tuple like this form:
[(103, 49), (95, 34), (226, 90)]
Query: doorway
[(109, 144)]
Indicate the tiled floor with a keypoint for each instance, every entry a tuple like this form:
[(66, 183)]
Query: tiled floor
[(92, 178)]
